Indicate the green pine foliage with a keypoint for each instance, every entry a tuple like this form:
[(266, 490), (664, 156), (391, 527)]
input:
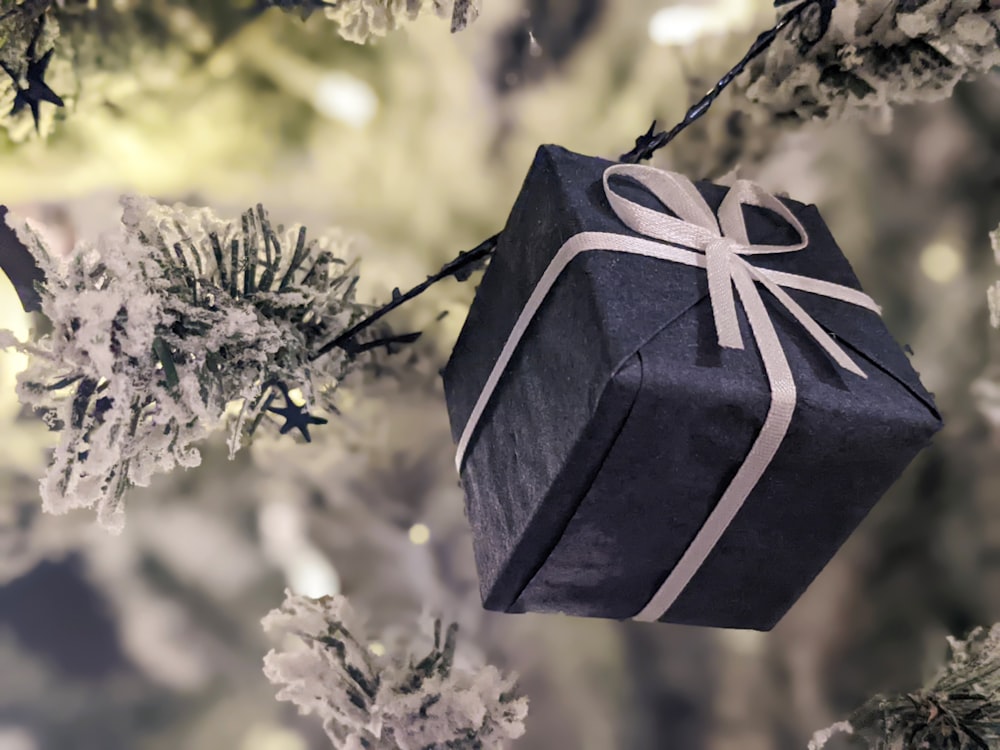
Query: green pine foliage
[(157, 329), (370, 698), (959, 709)]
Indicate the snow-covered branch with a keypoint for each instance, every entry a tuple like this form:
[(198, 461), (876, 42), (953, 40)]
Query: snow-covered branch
[(362, 20), (386, 697), (959, 708), (157, 328), (877, 54)]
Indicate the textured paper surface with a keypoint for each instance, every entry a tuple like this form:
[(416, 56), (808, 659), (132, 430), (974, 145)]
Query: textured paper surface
[(620, 421)]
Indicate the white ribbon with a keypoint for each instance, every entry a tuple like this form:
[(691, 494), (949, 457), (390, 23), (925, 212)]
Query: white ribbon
[(720, 246)]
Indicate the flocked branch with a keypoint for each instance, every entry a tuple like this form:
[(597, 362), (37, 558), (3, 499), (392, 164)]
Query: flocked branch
[(877, 54), (958, 709), (361, 20), (370, 697), (157, 328)]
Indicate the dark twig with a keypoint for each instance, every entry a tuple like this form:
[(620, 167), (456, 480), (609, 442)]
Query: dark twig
[(648, 143), (219, 262), (300, 253), (460, 268), (354, 348), (234, 264)]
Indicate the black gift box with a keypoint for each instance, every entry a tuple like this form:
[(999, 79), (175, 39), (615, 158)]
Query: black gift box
[(619, 421)]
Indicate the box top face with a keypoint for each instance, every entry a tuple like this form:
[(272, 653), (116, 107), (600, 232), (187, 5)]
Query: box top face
[(634, 307)]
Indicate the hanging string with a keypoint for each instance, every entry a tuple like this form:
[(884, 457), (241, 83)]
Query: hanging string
[(648, 143), (461, 268), (645, 146)]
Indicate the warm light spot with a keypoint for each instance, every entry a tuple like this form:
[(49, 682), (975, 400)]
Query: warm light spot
[(310, 574), (272, 737), (941, 262), (14, 319), (746, 642), (679, 24), (346, 98), (419, 534), (222, 64), (346, 400), (233, 407), (534, 48), (295, 394), (376, 648), (16, 738), (199, 39), (684, 23)]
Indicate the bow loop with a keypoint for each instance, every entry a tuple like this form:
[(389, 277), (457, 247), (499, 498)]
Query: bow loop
[(746, 193), (695, 223)]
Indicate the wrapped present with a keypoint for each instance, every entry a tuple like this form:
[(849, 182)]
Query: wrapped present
[(671, 402)]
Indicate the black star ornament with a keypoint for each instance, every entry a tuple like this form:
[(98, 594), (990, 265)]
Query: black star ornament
[(37, 91), (296, 416)]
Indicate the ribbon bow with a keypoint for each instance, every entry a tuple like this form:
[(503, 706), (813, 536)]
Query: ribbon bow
[(721, 246), (724, 243)]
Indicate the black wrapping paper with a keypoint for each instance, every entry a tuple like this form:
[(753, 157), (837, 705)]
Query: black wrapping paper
[(620, 421), (20, 267)]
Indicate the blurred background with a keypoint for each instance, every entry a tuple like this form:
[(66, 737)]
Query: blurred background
[(417, 144)]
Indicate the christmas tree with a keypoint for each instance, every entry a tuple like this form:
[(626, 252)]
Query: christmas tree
[(208, 422)]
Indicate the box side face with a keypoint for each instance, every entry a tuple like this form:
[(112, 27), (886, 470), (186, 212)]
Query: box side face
[(520, 474), (850, 439), (693, 422), (539, 535)]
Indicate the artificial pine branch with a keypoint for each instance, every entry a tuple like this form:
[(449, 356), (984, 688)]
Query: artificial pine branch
[(157, 330), (959, 709), (460, 268), (368, 698), (875, 56), (362, 20)]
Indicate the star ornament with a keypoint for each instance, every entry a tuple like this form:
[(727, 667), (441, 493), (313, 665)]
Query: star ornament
[(37, 91), (296, 416)]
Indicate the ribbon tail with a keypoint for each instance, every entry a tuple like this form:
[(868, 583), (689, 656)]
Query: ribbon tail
[(822, 288), (765, 447), (806, 320)]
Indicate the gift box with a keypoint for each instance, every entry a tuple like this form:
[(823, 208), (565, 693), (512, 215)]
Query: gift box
[(672, 401)]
